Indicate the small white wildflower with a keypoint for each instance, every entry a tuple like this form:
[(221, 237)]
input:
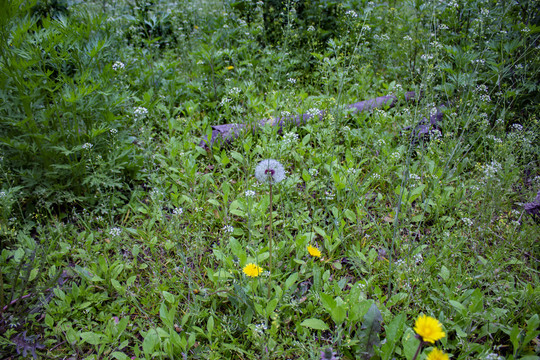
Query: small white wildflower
[(426, 57), (115, 231), (418, 259), (118, 65), (178, 211), (351, 13), (375, 177), (443, 27), (311, 28), (313, 172), (478, 61), (407, 38), (249, 193), (435, 134), (2, 193), (526, 30), (292, 81), (414, 177), (200, 62), (270, 171), (314, 112), (366, 27), (140, 112), (87, 146), (381, 142), (329, 195), (113, 131), (484, 12), (352, 171), (234, 91), (227, 228), (224, 101), (485, 98), (467, 221), (517, 127), (482, 88), (290, 138)]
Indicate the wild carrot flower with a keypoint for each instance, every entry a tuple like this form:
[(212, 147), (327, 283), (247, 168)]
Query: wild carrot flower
[(429, 329), (270, 171), (437, 354), (313, 251), (252, 270)]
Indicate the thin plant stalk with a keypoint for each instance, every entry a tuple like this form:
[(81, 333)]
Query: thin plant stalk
[(270, 245)]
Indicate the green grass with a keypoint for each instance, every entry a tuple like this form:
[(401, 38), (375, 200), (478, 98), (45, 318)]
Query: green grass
[(133, 246)]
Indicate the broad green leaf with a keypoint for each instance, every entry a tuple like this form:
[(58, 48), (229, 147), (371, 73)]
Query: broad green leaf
[(315, 324), (91, 337), (168, 297)]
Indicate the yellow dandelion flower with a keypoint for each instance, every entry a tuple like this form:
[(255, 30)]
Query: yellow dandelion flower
[(437, 354), (252, 270), (230, 67), (429, 329), (313, 251)]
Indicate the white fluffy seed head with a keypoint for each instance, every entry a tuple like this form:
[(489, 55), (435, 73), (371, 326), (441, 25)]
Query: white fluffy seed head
[(269, 171)]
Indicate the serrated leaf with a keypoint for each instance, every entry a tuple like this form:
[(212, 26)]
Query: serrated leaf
[(315, 324), (369, 332)]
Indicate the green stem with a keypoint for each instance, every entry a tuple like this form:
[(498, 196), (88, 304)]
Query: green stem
[(270, 245)]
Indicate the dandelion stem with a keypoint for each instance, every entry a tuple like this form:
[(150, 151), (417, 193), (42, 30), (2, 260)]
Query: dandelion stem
[(418, 350), (270, 245)]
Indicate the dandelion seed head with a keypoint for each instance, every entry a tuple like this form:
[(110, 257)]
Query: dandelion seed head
[(270, 171)]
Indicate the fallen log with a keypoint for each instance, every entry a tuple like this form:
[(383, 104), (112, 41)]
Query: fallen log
[(228, 132)]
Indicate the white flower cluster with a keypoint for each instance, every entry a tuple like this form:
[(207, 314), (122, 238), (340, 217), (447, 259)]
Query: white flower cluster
[(313, 172), (493, 356), (407, 38), (115, 231), (351, 13), (292, 80), (494, 139), (224, 101), (311, 28), (290, 138), (352, 171), (234, 91), (517, 127), (87, 146), (467, 221), (314, 112), (227, 228), (140, 112), (485, 98), (491, 169), (178, 211), (249, 193), (118, 65)]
